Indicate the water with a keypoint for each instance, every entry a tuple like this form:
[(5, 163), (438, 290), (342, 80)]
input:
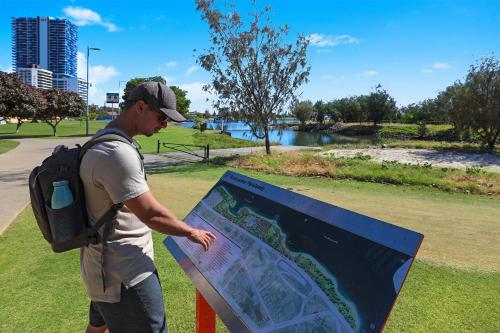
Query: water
[(241, 131)]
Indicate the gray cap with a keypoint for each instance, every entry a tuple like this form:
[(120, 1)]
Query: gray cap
[(159, 95)]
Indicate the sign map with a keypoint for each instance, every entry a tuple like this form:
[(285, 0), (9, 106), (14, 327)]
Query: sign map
[(283, 262)]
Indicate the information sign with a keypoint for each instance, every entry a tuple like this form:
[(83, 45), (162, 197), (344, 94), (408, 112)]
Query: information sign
[(112, 98), (283, 262)]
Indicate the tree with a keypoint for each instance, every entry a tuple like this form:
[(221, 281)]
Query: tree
[(182, 101), (349, 109), (425, 111), (379, 105), (18, 100), (132, 83), (255, 73), (475, 104), (59, 105), (303, 111), (320, 111), (331, 112)]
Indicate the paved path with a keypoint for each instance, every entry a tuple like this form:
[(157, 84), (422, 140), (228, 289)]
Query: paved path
[(16, 165), (441, 158)]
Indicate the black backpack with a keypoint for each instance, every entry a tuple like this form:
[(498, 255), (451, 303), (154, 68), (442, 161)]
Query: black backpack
[(68, 228)]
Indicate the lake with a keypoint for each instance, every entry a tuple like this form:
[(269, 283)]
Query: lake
[(286, 137)]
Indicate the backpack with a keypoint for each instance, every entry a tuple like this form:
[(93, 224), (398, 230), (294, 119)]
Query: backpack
[(68, 228)]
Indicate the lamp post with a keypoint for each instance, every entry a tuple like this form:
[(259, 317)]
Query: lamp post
[(119, 86), (87, 109)]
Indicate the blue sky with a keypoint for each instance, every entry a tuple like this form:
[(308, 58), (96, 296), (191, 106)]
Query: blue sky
[(413, 48)]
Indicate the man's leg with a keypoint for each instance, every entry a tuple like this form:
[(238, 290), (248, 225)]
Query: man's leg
[(96, 322), (140, 309)]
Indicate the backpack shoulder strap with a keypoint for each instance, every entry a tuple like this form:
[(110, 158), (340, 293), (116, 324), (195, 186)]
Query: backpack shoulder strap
[(106, 137)]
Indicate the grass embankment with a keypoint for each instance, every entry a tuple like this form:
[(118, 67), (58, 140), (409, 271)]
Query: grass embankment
[(413, 131), (42, 291), (174, 134), (361, 168), (6, 145)]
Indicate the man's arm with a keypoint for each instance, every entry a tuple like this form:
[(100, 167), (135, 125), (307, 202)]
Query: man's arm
[(159, 218)]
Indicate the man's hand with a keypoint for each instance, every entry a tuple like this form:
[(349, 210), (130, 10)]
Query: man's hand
[(159, 218), (202, 237)]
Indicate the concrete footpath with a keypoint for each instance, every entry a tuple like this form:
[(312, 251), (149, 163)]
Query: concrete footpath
[(16, 165)]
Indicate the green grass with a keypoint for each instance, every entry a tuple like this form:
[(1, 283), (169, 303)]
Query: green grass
[(469, 242), (6, 145), (173, 134), (66, 128), (43, 292), (411, 130), (361, 168), (443, 299), (189, 136)]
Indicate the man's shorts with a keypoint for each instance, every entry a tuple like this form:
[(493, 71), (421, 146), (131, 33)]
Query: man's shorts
[(140, 309)]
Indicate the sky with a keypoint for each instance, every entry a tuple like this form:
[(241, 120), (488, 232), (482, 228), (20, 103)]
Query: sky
[(413, 48)]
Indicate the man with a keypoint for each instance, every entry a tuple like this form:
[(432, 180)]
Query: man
[(120, 276)]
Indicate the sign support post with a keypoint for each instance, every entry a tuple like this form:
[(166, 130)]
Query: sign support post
[(205, 315)]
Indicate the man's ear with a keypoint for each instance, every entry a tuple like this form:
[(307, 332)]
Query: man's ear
[(140, 106)]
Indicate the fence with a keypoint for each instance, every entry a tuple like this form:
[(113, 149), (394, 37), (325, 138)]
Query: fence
[(185, 152)]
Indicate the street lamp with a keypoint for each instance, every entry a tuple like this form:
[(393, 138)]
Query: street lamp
[(119, 86), (87, 109)]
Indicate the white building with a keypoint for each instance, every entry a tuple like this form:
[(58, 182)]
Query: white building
[(36, 77), (70, 83)]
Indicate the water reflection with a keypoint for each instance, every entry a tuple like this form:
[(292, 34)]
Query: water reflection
[(287, 137)]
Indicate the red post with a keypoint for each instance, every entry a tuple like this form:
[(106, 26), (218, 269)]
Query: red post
[(205, 315)]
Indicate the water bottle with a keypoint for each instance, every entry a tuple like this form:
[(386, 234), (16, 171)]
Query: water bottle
[(62, 196)]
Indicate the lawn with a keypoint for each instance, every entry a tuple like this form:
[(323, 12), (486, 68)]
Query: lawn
[(173, 133), (452, 287), (6, 145), (66, 128)]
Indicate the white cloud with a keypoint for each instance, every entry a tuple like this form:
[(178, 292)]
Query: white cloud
[(167, 65), (370, 73), (441, 65), (100, 74), (197, 96), (84, 16), (191, 70), (169, 79), (195, 90), (329, 40), (437, 66), (81, 65), (97, 75)]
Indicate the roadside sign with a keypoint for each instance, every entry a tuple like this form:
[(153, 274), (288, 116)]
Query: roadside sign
[(112, 98)]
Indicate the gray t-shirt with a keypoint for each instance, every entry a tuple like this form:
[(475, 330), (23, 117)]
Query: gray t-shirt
[(113, 172)]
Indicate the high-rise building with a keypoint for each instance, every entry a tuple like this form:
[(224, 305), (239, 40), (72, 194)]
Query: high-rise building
[(51, 45)]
